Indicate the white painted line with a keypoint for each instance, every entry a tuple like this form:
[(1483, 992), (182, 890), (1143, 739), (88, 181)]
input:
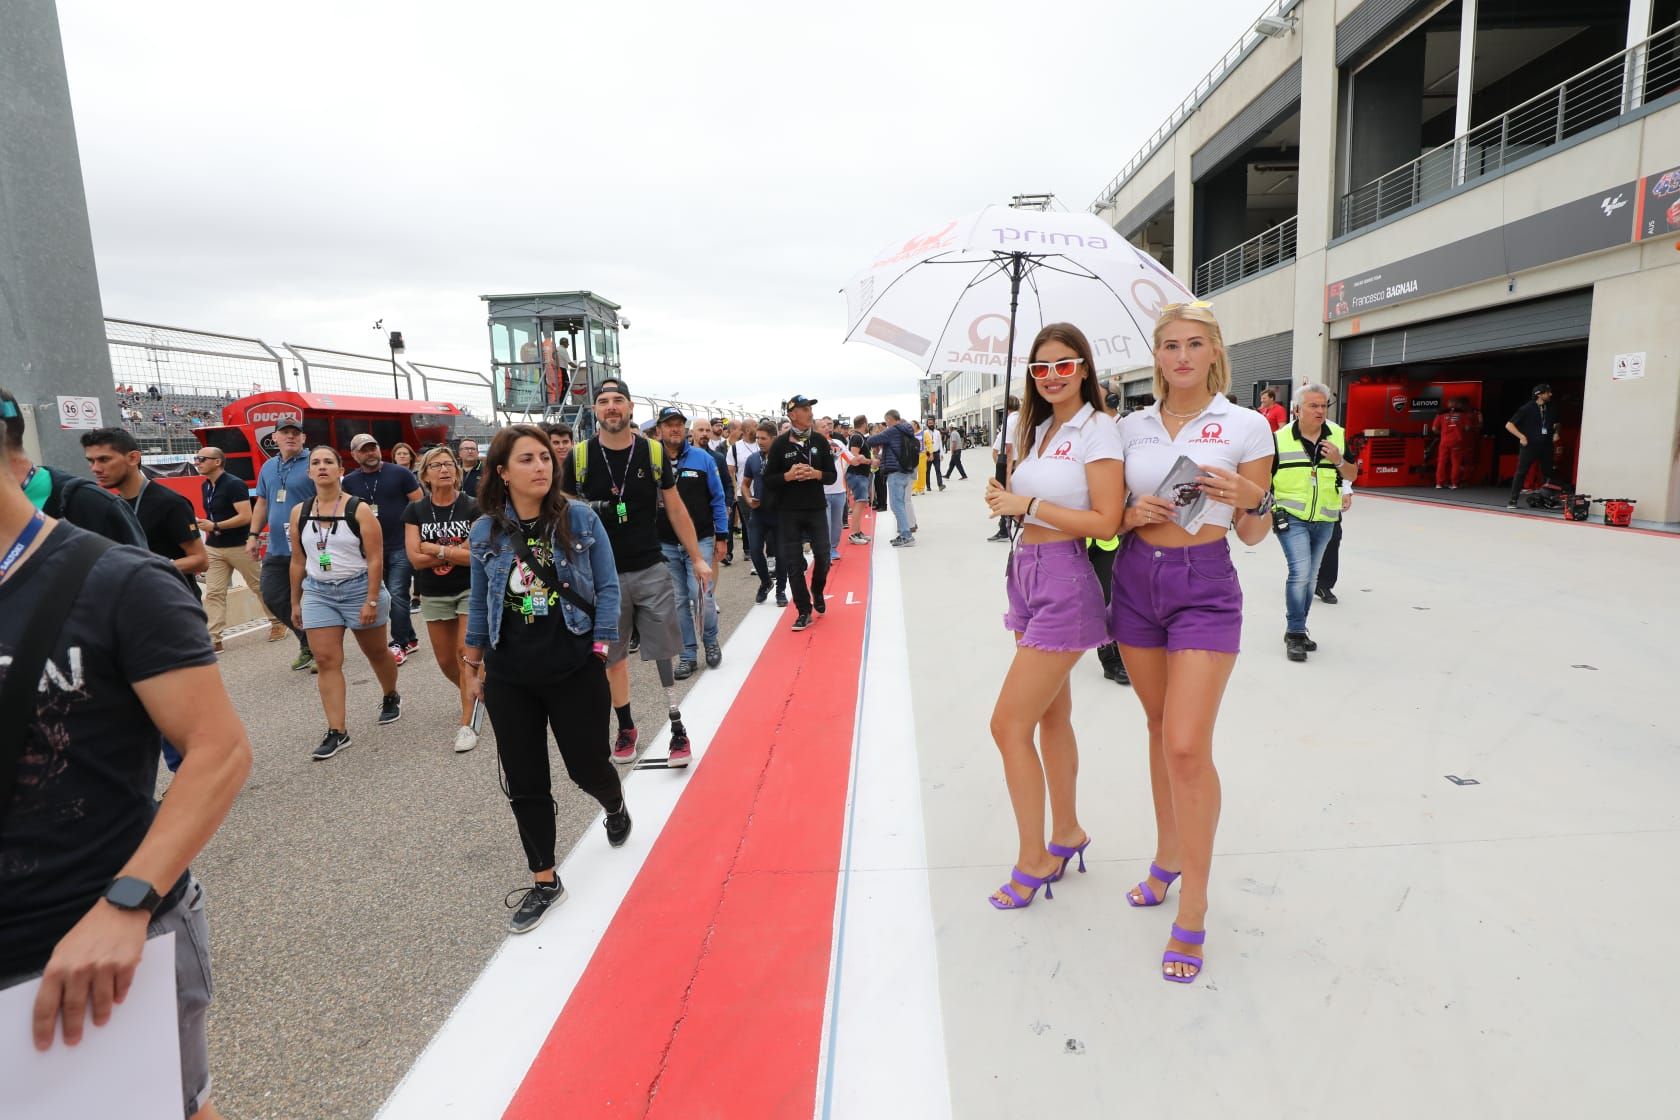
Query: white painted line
[(884, 1039), (478, 1059)]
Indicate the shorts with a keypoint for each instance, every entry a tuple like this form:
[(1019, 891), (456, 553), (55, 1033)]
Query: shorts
[(858, 485), (340, 604), (1180, 598), (1055, 602), (444, 608), (647, 607)]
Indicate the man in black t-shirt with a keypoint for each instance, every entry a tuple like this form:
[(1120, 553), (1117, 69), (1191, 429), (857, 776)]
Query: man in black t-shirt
[(859, 467), (624, 485), (226, 526), (796, 468), (167, 519), (92, 865), (1535, 426)]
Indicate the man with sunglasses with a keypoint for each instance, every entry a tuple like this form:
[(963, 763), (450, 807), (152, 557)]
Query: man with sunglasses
[(226, 527)]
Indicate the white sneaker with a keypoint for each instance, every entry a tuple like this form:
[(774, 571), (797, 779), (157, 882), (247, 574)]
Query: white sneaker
[(465, 740)]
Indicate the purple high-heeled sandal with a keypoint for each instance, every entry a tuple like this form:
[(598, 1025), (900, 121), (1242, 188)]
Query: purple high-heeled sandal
[(1025, 880), (1149, 899), (1189, 937), (1065, 853)]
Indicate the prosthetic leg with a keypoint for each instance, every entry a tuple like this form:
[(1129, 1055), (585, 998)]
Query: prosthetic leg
[(681, 751)]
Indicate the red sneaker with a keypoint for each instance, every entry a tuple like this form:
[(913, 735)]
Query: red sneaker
[(624, 749)]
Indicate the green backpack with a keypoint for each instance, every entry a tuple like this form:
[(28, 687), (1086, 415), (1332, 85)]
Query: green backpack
[(580, 459)]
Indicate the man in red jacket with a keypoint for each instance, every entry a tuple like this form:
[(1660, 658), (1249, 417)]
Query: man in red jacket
[(1271, 409), (1453, 426)]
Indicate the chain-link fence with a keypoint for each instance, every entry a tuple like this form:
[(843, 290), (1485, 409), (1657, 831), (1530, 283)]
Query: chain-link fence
[(466, 389), (359, 375), (171, 380)]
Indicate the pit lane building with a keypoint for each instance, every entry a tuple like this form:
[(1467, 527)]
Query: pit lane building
[(1441, 200)]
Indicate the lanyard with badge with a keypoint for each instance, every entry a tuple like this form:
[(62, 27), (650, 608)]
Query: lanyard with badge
[(322, 556), (533, 603), (21, 545), (283, 471), (618, 483)]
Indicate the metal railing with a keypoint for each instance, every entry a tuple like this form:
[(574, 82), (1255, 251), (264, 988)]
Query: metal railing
[(172, 380), (1251, 38), (361, 375), (477, 401), (1645, 72), (1273, 246)]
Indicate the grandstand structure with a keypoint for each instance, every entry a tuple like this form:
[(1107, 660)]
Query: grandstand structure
[(171, 381)]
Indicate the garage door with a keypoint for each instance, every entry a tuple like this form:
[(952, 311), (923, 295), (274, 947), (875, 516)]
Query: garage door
[(1538, 322)]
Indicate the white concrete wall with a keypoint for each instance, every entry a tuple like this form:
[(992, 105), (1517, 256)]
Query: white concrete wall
[(1264, 305), (1630, 430)]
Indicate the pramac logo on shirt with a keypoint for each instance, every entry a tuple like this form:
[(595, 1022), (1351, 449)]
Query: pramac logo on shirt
[(1064, 452), (1212, 432)]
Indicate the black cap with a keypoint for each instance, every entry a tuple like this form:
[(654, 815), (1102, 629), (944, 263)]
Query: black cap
[(1542, 388), (671, 412), (799, 400), (612, 385), (288, 422)]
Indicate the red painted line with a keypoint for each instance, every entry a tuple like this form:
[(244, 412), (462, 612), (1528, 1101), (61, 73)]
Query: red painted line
[(1588, 524), (705, 996)]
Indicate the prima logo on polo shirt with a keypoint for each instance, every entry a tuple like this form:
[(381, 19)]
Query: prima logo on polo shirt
[(1212, 432), (1141, 441)]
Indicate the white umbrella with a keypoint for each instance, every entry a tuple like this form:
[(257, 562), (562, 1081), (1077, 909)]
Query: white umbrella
[(957, 297)]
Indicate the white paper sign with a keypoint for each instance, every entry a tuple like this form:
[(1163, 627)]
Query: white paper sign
[(1628, 367), (130, 1067), (79, 412)]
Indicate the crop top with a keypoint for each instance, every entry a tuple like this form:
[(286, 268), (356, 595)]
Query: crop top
[(1057, 475), (1223, 435)]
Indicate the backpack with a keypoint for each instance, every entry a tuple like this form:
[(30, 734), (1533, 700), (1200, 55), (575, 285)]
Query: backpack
[(909, 451), (76, 502), (580, 460), (351, 505)]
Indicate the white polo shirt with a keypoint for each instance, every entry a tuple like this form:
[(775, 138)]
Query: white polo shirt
[(1057, 473), (1222, 435)]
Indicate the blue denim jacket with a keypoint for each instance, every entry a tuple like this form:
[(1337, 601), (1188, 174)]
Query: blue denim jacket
[(589, 568)]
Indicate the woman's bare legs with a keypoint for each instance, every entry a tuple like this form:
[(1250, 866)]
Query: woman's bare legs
[(1148, 669), (1035, 680), (448, 647)]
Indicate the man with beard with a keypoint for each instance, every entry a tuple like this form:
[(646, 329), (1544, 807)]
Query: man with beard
[(623, 477)]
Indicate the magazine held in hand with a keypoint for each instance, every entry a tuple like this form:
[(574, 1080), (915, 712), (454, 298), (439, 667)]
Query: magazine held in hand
[(1183, 488)]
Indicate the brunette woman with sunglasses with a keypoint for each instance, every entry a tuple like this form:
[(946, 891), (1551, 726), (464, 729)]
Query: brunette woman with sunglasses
[(543, 607), (1067, 484)]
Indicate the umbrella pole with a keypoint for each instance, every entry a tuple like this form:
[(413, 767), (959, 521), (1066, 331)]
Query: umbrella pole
[(1017, 269)]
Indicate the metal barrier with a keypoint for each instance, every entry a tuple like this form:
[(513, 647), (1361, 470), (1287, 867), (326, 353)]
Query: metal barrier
[(171, 380), (361, 375), (1251, 38), (1645, 72), (479, 402), (1273, 246)]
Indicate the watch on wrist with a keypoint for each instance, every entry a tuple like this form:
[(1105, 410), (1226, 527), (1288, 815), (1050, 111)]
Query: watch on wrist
[(1264, 507), (130, 893)]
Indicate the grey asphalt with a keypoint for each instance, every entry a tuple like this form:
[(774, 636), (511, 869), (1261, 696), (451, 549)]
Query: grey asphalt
[(353, 901)]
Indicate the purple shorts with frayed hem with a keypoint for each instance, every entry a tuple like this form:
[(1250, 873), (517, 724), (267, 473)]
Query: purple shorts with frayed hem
[(1180, 598), (1055, 601)]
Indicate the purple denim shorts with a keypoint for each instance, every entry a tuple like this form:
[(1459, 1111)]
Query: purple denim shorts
[(1180, 598), (1055, 601)]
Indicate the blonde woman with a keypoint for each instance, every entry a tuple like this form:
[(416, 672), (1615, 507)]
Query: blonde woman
[(1177, 606), (435, 532)]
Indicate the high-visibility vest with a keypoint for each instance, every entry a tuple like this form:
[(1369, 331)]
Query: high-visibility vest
[(1299, 489), (1108, 545)]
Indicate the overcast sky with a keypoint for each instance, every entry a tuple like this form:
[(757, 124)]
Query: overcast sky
[(298, 171)]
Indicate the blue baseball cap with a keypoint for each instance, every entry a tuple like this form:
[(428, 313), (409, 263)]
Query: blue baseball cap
[(671, 412)]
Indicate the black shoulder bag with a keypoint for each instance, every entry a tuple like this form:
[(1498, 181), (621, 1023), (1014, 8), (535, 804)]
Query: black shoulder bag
[(29, 660), (552, 577)]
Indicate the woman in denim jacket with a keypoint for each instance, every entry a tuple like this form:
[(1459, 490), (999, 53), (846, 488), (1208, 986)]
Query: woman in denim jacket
[(543, 606)]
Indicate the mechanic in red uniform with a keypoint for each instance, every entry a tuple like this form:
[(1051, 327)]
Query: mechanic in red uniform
[(1453, 427)]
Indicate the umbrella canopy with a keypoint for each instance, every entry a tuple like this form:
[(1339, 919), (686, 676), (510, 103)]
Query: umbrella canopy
[(956, 296)]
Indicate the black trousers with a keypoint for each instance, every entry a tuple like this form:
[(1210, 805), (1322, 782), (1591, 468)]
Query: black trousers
[(934, 478), (276, 592), (577, 707), (763, 535), (880, 491), (790, 558), (1539, 450), (1330, 567), (1103, 561), (956, 466)]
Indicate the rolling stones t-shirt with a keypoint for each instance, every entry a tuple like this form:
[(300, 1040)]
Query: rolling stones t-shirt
[(446, 525), (86, 780)]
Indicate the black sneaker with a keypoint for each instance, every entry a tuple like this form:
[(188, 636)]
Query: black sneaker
[(728, 560), (533, 905), (998, 536), (1308, 644), (781, 598), (390, 709), (685, 669), (618, 826), (819, 605), (763, 593), (714, 655), (635, 642), (331, 745), (1296, 646), (802, 621), (1328, 596), (1512, 504)]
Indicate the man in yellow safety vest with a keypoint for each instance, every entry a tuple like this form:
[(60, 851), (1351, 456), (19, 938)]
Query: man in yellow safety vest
[(1307, 482)]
